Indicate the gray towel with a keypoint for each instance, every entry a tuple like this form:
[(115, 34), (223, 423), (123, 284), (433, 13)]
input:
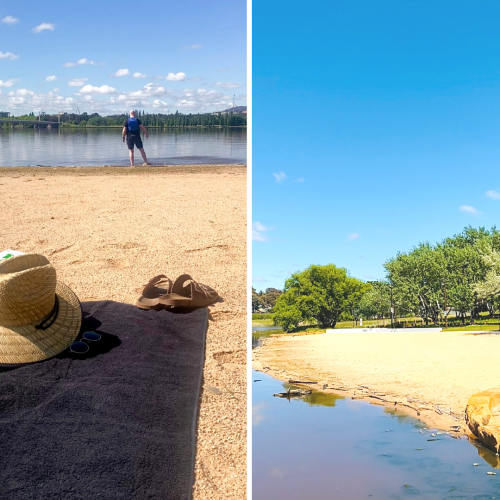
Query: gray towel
[(119, 423)]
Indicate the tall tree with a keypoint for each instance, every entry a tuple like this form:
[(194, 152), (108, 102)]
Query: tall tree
[(320, 294)]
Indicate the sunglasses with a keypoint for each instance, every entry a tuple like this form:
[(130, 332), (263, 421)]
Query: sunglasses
[(81, 346)]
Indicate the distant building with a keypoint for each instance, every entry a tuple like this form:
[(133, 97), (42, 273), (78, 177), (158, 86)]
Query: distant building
[(4, 114)]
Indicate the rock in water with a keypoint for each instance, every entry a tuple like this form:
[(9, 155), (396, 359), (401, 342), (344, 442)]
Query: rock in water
[(483, 417)]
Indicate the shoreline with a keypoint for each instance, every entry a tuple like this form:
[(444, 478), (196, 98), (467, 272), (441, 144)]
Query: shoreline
[(202, 168), (431, 420), (383, 372)]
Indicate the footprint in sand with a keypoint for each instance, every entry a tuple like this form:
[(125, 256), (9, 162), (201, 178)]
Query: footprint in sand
[(117, 263), (124, 246), (237, 357)]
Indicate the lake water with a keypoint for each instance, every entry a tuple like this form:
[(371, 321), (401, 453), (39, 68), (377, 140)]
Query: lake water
[(329, 447), (262, 332), (88, 147)]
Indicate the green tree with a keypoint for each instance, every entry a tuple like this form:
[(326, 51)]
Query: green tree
[(376, 302), (269, 297), (320, 294), (256, 302)]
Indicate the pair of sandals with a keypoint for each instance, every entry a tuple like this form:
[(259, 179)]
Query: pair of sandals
[(162, 293)]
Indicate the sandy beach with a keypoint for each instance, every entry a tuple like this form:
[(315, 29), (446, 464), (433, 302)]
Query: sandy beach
[(433, 374), (108, 230)]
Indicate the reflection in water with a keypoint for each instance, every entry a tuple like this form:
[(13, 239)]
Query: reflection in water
[(487, 455), (321, 399), (316, 398), (262, 332), (104, 146), (336, 448)]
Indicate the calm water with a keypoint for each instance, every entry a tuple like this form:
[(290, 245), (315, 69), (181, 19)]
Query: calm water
[(262, 332), (327, 447), (87, 147)]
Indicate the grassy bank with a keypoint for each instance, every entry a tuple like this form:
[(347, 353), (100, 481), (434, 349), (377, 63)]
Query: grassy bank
[(484, 323)]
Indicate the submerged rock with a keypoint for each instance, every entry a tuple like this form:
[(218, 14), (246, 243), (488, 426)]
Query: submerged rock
[(482, 416)]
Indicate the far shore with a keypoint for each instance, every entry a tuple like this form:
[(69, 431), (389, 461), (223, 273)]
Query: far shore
[(429, 376)]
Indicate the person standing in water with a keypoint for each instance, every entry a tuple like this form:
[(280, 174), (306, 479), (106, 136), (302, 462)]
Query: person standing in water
[(132, 132)]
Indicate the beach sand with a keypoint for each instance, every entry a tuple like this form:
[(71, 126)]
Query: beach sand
[(108, 230), (428, 372)]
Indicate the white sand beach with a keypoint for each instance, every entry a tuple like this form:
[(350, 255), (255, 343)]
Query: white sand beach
[(432, 372), (109, 230)]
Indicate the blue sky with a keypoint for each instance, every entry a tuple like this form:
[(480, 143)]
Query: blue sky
[(109, 57), (376, 125)]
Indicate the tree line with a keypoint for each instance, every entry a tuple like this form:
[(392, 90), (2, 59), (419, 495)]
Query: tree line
[(459, 275), (264, 300), (148, 119)]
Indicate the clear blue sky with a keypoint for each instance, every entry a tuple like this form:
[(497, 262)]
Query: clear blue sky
[(188, 56), (376, 125)]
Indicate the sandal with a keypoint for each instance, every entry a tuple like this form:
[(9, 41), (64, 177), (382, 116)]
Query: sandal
[(193, 295), (150, 298)]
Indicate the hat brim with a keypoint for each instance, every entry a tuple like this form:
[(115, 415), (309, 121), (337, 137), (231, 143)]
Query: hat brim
[(27, 344)]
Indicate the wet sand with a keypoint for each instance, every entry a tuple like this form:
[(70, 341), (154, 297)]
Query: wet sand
[(428, 375), (108, 230)]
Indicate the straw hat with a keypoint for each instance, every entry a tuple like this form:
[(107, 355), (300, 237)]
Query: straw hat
[(39, 316)]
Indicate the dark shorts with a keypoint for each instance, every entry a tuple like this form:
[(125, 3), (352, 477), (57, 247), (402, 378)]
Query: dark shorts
[(134, 139)]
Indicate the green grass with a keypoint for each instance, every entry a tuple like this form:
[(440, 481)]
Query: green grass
[(454, 324), (264, 319)]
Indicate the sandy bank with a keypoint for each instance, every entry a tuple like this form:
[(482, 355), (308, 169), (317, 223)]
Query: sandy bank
[(428, 372), (108, 230)]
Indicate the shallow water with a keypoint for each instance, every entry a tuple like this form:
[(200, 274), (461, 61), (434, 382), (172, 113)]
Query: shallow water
[(104, 146), (262, 332), (329, 447)]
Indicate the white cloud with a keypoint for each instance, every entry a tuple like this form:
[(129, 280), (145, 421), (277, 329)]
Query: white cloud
[(55, 90), (26, 100), (44, 26), (77, 82), (157, 103), (176, 77), (299, 180), (8, 55), (21, 92), (142, 97), (256, 236), (353, 236), (494, 195), (103, 89), (202, 100), (192, 47), (257, 230), (228, 85), (280, 177), (258, 279), (139, 75), (8, 83), (149, 90), (81, 62), (122, 72), (10, 20), (470, 210), (260, 227), (51, 78)]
